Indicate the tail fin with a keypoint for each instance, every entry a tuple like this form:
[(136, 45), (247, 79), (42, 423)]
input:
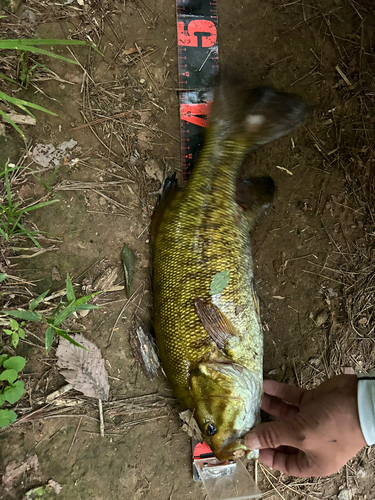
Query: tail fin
[(258, 115)]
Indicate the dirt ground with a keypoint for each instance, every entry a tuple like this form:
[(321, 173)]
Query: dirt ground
[(313, 250)]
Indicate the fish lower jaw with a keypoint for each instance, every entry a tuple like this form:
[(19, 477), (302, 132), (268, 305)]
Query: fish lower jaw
[(252, 454)]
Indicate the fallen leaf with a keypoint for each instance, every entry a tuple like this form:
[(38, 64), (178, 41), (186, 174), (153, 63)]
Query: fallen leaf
[(132, 50), (55, 275), (20, 119), (49, 156), (128, 259), (84, 370), (12, 471), (106, 280), (190, 425), (55, 486), (219, 282)]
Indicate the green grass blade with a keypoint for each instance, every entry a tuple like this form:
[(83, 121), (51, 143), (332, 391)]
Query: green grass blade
[(50, 332), (29, 235), (71, 308), (4, 77), (69, 289), (38, 205), (11, 169), (7, 185), (18, 44), (34, 50), (26, 315), (11, 122), (34, 303), (20, 103), (64, 335)]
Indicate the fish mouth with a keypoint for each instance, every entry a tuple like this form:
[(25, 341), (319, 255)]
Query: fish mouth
[(232, 451)]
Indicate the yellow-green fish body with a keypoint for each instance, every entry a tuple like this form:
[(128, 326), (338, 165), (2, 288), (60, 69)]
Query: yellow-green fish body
[(211, 346)]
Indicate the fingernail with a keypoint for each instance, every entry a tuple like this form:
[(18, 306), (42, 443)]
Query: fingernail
[(252, 441)]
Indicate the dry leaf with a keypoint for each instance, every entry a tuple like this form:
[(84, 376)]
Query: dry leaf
[(12, 471), (85, 370), (190, 425), (132, 50), (55, 486)]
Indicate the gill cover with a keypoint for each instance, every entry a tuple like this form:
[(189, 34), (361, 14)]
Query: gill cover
[(227, 397)]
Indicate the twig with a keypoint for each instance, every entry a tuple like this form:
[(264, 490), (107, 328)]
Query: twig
[(75, 435), (344, 77), (56, 394), (101, 417), (146, 68), (105, 118)]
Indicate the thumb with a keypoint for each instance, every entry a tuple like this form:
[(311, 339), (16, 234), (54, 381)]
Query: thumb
[(272, 435)]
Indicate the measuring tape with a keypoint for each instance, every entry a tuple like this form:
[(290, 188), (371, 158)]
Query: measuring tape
[(198, 64)]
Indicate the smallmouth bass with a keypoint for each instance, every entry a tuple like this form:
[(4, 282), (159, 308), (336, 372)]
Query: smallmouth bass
[(211, 345)]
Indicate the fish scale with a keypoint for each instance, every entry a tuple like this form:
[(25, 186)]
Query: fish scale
[(184, 268), (211, 346)]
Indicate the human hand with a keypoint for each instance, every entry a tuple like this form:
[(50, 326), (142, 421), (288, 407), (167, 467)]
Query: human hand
[(318, 430)]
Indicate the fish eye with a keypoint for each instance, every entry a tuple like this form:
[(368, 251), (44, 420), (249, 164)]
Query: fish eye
[(210, 430)]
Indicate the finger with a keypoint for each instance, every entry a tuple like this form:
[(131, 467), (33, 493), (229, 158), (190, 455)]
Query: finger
[(295, 464), (278, 408), (289, 393), (273, 435), (292, 464)]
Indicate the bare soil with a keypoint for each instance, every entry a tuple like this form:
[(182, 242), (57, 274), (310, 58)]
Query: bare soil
[(310, 249)]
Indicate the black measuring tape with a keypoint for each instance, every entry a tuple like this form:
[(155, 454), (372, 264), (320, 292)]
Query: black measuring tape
[(198, 64)]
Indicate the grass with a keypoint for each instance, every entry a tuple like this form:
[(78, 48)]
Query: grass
[(23, 46), (11, 213), (54, 320)]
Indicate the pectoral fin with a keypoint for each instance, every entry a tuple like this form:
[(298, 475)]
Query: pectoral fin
[(218, 326), (255, 195)]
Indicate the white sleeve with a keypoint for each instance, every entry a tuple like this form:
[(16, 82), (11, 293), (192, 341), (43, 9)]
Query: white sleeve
[(366, 405)]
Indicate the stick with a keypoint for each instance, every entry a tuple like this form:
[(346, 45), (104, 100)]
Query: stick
[(101, 417), (51, 397), (146, 68), (75, 435)]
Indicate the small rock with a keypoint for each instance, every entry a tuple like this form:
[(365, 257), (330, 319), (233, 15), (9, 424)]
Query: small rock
[(346, 494), (348, 370), (275, 371), (154, 171), (361, 473), (362, 321), (321, 318)]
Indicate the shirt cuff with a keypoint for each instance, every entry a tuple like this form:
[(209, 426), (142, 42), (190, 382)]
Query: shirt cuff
[(366, 405)]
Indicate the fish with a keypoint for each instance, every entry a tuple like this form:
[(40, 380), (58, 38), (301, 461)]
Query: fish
[(206, 309)]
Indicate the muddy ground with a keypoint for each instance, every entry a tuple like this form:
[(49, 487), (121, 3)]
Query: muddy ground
[(311, 249)]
